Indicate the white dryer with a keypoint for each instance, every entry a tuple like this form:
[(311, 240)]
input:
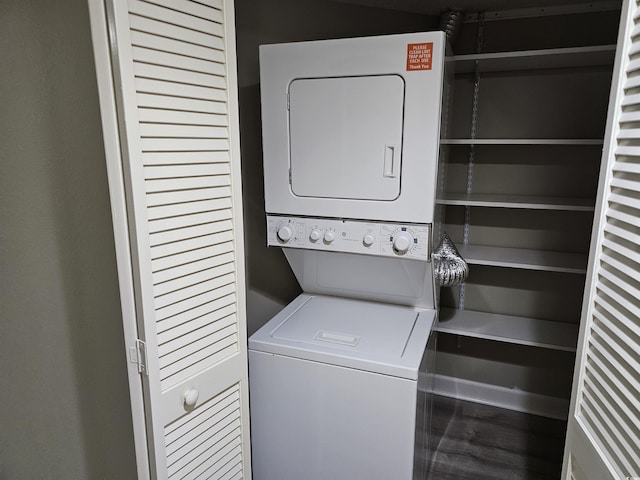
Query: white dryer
[(351, 127)]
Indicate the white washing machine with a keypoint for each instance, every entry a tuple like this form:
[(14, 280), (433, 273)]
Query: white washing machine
[(339, 379), (335, 391)]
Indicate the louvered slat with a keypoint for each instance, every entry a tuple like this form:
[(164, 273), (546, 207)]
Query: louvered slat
[(188, 208), (211, 40), (630, 116), (192, 218), (196, 9), (211, 309), (207, 436), (145, 55), (614, 261), (612, 277), (179, 235), (168, 198), (169, 14), (231, 469), (172, 317), (176, 89), (183, 144), (222, 419), (605, 388), (214, 78), (174, 184), (157, 130), (151, 100), (163, 267), (606, 435), (212, 269), (178, 372), (614, 244), (203, 262), (161, 226), (161, 252), (181, 300), (196, 334), (619, 442), (155, 115), (632, 83), (616, 346), (628, 167), (180, 428), (178, 353), (603, 397), (160, 43)]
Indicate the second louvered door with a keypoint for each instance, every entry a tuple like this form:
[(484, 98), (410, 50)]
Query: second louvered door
[(603, 435), (173, 74)]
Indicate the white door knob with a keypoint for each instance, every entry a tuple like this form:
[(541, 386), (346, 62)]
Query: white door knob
[(191, 398), (286, 232), (402, 241)]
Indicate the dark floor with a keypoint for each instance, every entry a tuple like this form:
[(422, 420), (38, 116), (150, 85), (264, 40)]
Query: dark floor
[(478, 442)]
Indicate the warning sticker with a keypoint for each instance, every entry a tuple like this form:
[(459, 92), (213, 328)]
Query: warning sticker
[(419, 56)]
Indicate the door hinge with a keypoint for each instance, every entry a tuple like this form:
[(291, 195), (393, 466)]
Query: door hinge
[(138, 355)]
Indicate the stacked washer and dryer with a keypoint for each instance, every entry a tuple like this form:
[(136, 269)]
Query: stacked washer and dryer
[(339, 379)]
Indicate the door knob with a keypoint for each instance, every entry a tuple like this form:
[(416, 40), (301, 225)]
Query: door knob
[(191, 398)]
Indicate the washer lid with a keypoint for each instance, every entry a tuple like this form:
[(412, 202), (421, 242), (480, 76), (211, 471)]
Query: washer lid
[(370, 336)]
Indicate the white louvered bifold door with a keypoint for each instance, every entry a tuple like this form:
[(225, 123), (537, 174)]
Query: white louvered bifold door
[(603, 438), (170, 105)]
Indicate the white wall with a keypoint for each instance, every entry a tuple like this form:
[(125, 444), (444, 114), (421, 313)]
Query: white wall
[(63, 392)]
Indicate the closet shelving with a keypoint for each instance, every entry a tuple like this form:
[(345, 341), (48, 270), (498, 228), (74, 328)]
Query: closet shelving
[(536, 332), (523, 258), (535, 59), (509, 329), (517, 201)]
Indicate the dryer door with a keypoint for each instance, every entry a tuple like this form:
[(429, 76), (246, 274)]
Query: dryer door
[(345, 136)]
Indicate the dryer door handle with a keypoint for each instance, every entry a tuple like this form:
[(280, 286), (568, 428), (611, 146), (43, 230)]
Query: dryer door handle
[(391, 161)]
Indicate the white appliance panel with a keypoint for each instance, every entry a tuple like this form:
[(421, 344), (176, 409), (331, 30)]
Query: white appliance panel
[(316, 421), (346, 137), (395, 240), (380, 279), (315, 193)]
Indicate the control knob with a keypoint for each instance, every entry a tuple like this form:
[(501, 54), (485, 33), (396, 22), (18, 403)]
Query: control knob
[(315, 235), (286, 232), (368, 239), (329, 236), (402, 241)]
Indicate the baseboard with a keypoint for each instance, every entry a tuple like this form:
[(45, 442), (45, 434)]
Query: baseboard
[(511, 399)]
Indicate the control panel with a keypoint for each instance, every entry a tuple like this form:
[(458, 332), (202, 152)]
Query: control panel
[(406, 240)]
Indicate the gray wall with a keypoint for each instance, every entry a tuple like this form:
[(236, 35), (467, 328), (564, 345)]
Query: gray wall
[(271, 284), (64, 410)]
